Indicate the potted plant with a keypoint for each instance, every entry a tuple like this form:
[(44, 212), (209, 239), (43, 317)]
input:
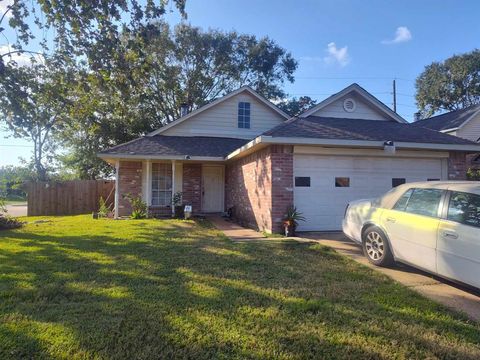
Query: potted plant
[(291, 219), (177, 205)]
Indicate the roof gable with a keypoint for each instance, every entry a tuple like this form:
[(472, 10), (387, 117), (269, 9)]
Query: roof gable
[(245, 90), (369, 107)]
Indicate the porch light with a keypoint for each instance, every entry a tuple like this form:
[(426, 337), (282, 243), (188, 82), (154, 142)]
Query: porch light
[(389, 147)]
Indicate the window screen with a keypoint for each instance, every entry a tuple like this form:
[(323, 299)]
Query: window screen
[(161, 184), (302, 181), (464, 208), (244, 115), (342, 182)]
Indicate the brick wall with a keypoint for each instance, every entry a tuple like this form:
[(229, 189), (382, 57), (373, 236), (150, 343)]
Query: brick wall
[(457, 166), (130, 182), (192, 186), (282, 183), (260, 187)]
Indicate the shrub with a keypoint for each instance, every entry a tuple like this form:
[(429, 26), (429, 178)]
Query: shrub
[(139, 207), (8, 222), (473, 174), (103, 209)]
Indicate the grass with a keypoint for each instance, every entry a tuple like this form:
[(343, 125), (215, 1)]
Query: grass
[(15, 200), (80, 288)]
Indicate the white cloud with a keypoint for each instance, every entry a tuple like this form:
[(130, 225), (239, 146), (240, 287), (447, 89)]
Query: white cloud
[(21, 58), (336, 55), (4, 4), (402, 34)]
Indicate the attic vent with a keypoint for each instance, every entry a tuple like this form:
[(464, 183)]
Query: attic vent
[(349, 105)]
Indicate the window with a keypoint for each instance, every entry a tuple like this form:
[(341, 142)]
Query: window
[(301, 181), (161, 184), (398, 181), (402, 202), (244, 115), (464, 208), (342, 182), (424, 202)]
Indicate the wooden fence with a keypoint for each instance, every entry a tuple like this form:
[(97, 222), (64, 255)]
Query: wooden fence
[(68, 197)]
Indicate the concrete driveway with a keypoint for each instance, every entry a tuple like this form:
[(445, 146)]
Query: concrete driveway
[(17, 210), (459, 298)]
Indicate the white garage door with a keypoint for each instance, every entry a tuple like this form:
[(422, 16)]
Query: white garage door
[(325, 184)]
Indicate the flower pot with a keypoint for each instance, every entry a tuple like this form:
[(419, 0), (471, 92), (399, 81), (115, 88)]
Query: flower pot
[(289, 229), (179, 212)]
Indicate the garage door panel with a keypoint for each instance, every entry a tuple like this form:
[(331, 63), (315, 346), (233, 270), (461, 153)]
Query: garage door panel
[(323, 204)]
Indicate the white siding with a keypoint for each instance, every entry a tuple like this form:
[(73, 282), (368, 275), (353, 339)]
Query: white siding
[(221, 120), (471, 130), (363, 110)]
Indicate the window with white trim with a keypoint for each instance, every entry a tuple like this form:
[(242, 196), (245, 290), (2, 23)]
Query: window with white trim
[(161, 184), (244, 115)]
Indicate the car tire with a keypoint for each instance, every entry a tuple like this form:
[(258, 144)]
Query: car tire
[(376, 247)]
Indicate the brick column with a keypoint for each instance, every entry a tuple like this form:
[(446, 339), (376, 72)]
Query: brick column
[(282, 183), (192, 186), (457, 166), (129, 182)]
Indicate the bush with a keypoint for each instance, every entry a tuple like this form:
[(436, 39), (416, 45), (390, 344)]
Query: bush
[(8, 222), (139, 207), (473, 174), (103, 209)]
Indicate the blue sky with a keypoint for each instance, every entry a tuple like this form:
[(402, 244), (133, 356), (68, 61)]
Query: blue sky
[(339, 42)]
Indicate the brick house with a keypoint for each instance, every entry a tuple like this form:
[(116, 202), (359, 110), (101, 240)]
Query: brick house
[(241, 152)]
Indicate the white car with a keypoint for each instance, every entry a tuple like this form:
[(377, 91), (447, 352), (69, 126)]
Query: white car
[(434, 226)]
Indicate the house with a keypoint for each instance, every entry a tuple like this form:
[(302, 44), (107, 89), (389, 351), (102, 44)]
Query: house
[(464, 123), (242, 152)]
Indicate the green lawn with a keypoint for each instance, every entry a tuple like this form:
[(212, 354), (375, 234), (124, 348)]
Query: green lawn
[(81, 288)]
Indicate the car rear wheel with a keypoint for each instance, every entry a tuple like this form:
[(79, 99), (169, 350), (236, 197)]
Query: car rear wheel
[(376, 247)]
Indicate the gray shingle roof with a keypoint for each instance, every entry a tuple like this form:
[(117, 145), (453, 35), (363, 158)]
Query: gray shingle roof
[(450, 120), (355, 129), (161, 145)]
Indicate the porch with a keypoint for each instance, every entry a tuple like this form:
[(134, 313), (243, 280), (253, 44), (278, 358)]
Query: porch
[(202, 185)]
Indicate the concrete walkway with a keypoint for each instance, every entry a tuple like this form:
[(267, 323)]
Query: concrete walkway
[(456, 297), (16, 210)]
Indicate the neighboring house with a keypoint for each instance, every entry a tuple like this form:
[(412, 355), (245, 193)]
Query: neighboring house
[(464, 123), (242, 152)]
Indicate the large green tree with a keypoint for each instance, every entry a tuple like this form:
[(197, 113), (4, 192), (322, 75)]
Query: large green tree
[(157, 69), (295, 107), (449, 85), (33, 101), (83, 28)]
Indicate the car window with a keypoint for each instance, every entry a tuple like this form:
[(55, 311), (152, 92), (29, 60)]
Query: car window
[(402, 202), (464, 208), (424, 202)]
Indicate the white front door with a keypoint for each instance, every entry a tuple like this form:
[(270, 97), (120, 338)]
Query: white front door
[(324, 184), (213, 186)]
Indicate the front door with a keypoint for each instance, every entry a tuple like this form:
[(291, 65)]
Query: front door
[(212, 188)]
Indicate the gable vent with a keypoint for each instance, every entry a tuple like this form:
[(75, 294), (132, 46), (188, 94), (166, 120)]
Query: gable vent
[(349, 105)]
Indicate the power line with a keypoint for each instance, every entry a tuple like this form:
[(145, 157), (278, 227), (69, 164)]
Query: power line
[(12, 145), (353, 78)]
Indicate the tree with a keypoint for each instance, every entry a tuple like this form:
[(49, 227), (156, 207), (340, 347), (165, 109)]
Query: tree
[(32, 103), (12, 179), (153, 72), (77, 28), (295, 107), (449, 85)]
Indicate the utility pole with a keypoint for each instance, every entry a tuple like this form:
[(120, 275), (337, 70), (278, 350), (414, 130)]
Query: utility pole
[(394, 96)]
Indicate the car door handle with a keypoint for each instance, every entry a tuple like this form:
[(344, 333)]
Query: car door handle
[(390, 219), (450, 235)]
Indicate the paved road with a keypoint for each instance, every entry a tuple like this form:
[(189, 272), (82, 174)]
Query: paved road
[(17, 210), (460, 298)]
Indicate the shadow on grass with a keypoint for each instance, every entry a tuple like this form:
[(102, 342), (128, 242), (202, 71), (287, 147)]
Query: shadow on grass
[(172, 289)]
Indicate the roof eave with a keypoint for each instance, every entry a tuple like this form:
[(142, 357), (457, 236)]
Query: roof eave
[(107, 157), (264, 140)]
